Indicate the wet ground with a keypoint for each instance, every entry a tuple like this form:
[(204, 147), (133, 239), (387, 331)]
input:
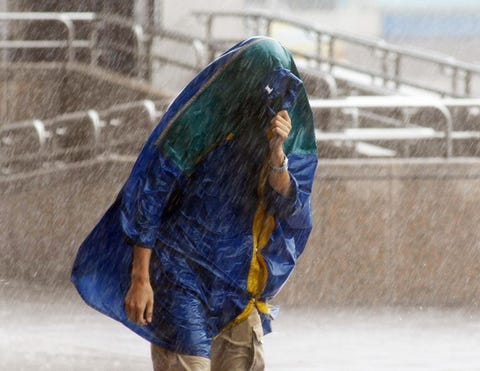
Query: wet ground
[(42, 328)]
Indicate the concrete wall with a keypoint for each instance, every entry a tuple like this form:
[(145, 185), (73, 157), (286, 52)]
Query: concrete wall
[(392, 233), (45, 217), (385, 233)]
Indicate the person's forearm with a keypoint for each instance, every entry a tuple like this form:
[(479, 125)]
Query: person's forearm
[(141, 263), (280, 182)]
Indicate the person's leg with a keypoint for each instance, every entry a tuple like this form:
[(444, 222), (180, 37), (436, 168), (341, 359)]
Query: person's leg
[(240, 348), (166, 360)]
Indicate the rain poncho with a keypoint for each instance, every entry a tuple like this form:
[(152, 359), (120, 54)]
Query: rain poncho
[(224, 241)]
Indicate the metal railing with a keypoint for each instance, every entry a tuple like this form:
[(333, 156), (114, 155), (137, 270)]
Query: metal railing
[(389, 58), (70, 43), (58, 136), (354, 104), (388, 71), (196, 43), (141, 47), (33, 144)]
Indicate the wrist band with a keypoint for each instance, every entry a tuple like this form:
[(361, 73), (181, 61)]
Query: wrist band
[(279, 169)]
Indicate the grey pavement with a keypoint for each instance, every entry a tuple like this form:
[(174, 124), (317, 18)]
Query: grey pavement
[(48, 328)]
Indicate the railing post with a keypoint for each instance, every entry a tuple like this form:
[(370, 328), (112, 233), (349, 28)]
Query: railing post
[(355, 113), (330, 51), (454, 81), (468, 83), (384, 67), (397, 70), (97, 128), (70, 36), (200, 54), (151, 111), (318, 47), (268, 27), (42, 133), (407, 118), (332, 85), (256, 22), (137, 31), (208, 36), (448, 128)]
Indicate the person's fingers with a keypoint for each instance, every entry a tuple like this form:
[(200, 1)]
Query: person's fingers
[(279, 119), (281, 122), (130, 307), (139, 314), (134, 311), (283, 133), (284, 114), (281, 126), (149, 311), (281, 129)]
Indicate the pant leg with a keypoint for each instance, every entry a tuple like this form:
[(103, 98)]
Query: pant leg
[(240, 348), (166, 360)]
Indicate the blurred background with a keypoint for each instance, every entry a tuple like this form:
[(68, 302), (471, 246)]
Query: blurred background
[(390, 276)]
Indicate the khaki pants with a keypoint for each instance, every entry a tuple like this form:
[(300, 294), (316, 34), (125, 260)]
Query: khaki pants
[(237, 349)]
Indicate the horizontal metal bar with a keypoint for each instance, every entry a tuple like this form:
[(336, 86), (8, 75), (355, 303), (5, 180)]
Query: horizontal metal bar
[(39, 44), (371, 150), (398, 134), (392, 101), (72, 116), (47, 16)]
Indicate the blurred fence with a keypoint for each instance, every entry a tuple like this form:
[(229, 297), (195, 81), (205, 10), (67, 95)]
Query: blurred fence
[(384, 65), (426, 125), (381, 63), (452, 116), (98, 48), (72, 137), (35, 144)]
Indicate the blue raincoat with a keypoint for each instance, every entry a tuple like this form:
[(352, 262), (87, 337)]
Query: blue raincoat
[(224, 241)]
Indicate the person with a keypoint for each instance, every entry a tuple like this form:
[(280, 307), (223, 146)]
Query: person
[(213, 217), (140, 300)]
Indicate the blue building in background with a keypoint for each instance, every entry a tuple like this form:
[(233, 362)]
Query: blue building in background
[(430, 18)]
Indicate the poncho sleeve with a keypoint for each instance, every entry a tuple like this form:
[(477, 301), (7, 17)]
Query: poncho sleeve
[(294, 208), (145, 198), (293, 218), (282, 206)]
